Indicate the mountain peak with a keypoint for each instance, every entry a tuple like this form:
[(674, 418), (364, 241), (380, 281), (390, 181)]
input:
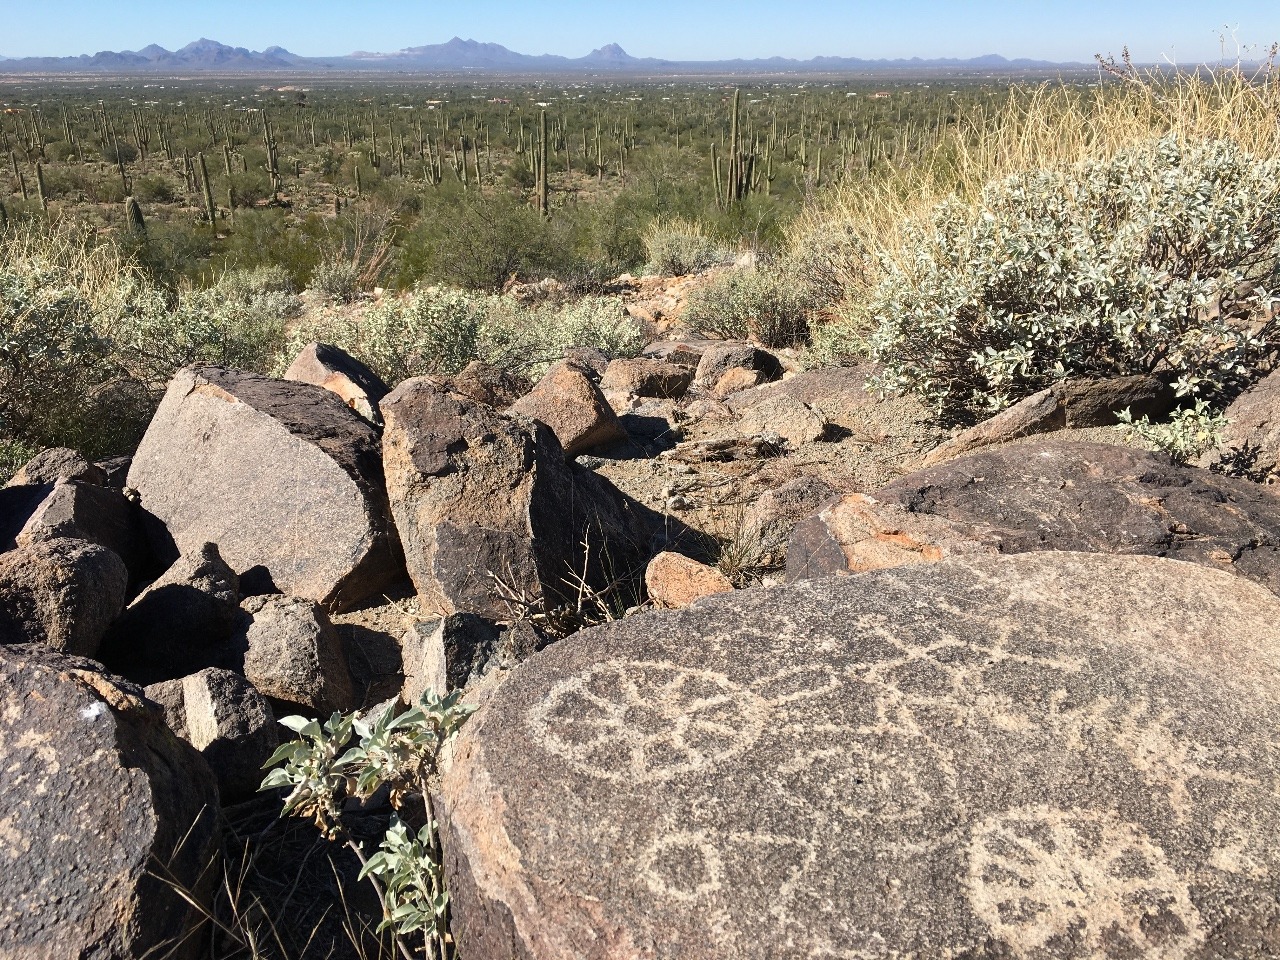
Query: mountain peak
[(610, 51)]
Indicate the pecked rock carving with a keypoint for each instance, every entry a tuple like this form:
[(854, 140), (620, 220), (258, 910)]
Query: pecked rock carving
[(1048, 755)]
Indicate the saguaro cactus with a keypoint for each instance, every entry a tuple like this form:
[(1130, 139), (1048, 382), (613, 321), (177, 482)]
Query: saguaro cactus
[(133, 217)]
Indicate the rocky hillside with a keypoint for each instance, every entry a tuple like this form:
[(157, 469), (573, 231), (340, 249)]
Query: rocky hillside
[(766, 664)]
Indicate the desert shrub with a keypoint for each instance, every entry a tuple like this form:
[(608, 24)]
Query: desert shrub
[(154, 188), (14, 455), (678, 247), (763, 305), (117, 151), (599, 323), (337, 281), (1157, 260), (1188, 433), (237, 322), (827, 259), (330, 770), (432, 331), (57, 368)]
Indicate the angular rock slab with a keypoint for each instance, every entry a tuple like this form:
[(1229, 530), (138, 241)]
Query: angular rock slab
[(282, 476), (1041, 756), (486, 505), (1048, 495), (1250, 444), (96, 791), (325, 365)]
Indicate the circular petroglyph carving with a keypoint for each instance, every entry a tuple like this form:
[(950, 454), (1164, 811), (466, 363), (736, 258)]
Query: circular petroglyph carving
[(683, 866), (1038, 875), (639, 721)]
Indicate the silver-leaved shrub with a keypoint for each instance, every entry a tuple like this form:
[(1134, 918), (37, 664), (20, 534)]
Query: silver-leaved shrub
[(1159, 260)]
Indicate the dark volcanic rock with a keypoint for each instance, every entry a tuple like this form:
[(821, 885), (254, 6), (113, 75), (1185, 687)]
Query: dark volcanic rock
[(288, 649), (57, 463), (1251, 442), (446, 654), (1069, 404), (645, 377), (98, 514), (60, 593), (281, 475), (221, 714), (719, 358), (1050, 495), (1043, 756), (342, 374), (180, 623), (487, 507), (97, 791)]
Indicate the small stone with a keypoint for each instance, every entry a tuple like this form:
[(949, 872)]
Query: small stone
[(332, 368), (571, 404), (674, 580), (57, 463), (60, 593), (446, 654)]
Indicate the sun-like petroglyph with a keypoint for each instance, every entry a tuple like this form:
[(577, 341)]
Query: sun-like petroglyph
[(1039, 876), (637, 721)]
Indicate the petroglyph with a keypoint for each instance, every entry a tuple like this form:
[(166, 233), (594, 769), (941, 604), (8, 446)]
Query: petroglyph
[(1038, 875), (636, 721)]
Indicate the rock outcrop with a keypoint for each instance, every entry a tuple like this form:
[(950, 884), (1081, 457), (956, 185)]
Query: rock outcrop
[(220, 714), (324, 365), (282, 476), (61, 593), (1070, 404), (572, 405), (1049, 495), (97, 792), (1045, 756), (1250, 443), (488, 510)]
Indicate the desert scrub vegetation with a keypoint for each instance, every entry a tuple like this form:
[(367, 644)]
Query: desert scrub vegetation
[(678, 246), (436, 331), (87, 342), (350, 759), (1161, 259), (761, 304), (1130, 228)]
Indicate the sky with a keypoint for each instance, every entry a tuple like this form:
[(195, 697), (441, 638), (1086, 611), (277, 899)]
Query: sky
[(1181, 31)]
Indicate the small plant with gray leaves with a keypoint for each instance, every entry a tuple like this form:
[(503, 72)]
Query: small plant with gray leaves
[(1188, 433), (323, 768)]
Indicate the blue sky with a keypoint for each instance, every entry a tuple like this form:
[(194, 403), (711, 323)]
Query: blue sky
[(1050, 29)]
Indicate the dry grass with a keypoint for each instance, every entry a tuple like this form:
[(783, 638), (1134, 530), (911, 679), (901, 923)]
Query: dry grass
[(1045, 127)]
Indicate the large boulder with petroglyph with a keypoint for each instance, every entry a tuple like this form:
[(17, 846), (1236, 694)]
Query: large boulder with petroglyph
[(282, 476), (1051, 755), (1047, 495), (103, 814), (491, 516)]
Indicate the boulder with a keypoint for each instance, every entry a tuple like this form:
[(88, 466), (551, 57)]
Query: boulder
[(769, 521), (289, 650), (98, 514), (1049, 495), (61, 593), (569, 402), (735, 380), (686, 353), (1042, 756), (283, 476), (785, 417), (1250, 445), (674, 580), (1071, 404), (180, 623), (645, 377), (719, 358), (446, 654), (115, 471), (220, 714), (332, 368), (488, 384), (97, 793), (490, 513), (57, 463)]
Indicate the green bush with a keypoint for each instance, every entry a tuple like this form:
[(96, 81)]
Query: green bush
[(680, 247), (599, 323), (337, 281), (761, 305), (1160, 260), (1188, 433)]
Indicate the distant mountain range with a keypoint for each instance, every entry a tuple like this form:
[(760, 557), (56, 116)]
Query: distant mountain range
[(209, 56)]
